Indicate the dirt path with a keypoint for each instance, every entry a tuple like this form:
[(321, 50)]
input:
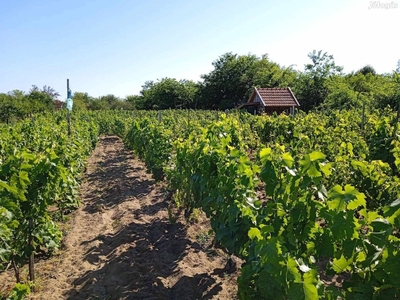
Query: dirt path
[(121, 245)]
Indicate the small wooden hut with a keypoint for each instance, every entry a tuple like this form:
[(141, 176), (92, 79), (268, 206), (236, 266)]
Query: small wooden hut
[(270, 100)]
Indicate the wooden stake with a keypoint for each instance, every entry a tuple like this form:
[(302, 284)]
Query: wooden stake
[(69, 113), (32, 257), (69, 122)]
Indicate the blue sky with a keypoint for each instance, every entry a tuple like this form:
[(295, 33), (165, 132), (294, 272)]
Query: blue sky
[(114, 46)]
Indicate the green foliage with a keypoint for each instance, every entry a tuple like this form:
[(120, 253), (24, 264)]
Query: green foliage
[(40, 102), (229, 83), (212, 171), (310, 89), (152, 144), (333, 204), (19, 292), (81, 101), (367, 69), (268, 74), (234, 76), (318, 200), (168, 93), (136, 101), (16, 104), (320, 86), (340, 95), (40, 167), (364, 87)]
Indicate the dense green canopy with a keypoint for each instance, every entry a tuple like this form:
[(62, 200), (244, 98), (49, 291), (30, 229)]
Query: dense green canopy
[(321, 85)]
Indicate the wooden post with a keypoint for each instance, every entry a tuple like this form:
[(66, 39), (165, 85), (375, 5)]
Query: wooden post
[(32, 257), (16, 270), (68, 113), (159, 116), (69, 122)]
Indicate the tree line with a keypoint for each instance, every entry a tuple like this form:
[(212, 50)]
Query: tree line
[(18, 104), (321, 85)]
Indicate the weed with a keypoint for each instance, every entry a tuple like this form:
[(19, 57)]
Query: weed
[(171, 215), (195, 216), (203, 237)]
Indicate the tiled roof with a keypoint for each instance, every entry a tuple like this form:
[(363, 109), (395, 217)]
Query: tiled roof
[(276, 97)]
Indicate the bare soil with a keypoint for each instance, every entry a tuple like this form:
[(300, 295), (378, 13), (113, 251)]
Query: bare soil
[(121, 244)]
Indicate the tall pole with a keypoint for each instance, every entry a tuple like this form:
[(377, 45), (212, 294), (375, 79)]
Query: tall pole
[(69, 113), (32, 256)]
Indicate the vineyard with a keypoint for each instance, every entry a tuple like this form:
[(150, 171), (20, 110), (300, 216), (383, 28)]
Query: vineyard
[(310, 203)]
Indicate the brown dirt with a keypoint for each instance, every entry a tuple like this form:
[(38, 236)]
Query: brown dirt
[(120, 244)]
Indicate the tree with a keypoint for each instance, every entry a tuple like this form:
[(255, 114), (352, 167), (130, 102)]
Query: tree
[(368, 69), (398, 66), (311, 89), (18, 94), (168, 93), (229, 83), (51, 92), (234, 77), (390, 91), (7, 108), (14, 104), (106, 102), (47, 90), (40, 101), (19, 102), (340, 94), (98, 104), (81, 100), (135, 101), (356, 89), (188, 93), (147, 91), (373, 89), (269, 74), (111, 100), (34, 88)]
